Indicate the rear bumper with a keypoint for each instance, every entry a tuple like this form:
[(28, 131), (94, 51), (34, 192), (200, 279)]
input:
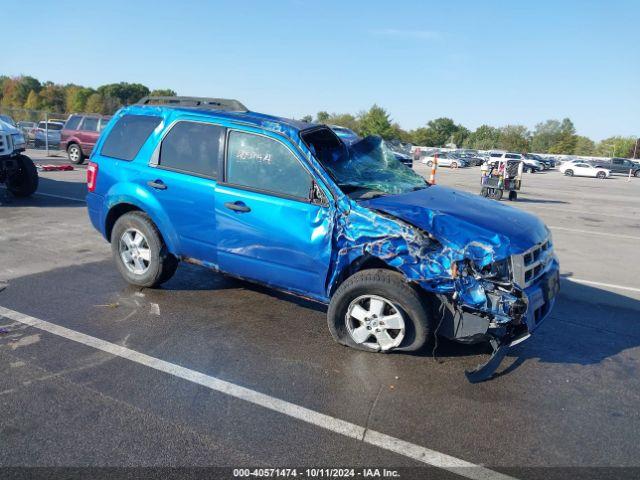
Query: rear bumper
[(95, 208)]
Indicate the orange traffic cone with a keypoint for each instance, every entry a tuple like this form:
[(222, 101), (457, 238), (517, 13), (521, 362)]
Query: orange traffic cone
[(434, 167)]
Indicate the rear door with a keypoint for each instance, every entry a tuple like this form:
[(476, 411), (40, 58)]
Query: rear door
[(184, 183), (88, 134), (268, 228)]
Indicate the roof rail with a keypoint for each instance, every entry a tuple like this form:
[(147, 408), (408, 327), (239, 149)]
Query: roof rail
[(196, 102)]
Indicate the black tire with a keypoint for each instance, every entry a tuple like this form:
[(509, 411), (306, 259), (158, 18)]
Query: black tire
[(568, 173), (497, 193), (162, 264), (430, 163), (484, 192), (74, 151), (636, 174), (454, 164), (391, 286), (601, 175), (513, 195), (25, 181)]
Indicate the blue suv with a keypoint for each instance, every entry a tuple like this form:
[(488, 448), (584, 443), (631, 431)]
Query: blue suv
[(289, 205)]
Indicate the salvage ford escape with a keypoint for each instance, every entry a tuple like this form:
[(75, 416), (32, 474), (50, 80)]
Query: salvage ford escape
[(289, 205)]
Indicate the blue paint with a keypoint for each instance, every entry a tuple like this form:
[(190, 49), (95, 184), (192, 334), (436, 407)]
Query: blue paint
[(306, 247)]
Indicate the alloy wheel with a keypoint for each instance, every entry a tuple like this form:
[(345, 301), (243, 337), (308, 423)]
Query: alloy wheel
[(134, 251), (375, 322)]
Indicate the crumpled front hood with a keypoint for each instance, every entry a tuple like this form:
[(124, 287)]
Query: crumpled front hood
[(464, 222)]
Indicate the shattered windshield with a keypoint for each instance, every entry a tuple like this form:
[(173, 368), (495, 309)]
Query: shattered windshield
[(364, 169)]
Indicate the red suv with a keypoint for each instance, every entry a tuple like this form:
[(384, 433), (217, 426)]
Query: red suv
[(80, 134)]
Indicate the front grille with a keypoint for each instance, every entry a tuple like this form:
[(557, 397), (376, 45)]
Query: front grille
[(529, 266)]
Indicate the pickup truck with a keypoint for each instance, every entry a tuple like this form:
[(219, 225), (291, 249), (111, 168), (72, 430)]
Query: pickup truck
[(619, 165)]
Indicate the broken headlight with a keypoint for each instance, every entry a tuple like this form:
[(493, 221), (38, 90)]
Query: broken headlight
[(499, 271)]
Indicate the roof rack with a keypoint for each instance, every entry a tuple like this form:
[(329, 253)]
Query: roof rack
[(196, 102)]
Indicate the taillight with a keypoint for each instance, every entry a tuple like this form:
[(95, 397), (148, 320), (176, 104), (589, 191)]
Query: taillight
[(92, 176)]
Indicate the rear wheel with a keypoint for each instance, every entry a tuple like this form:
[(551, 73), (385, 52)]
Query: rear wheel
[(637, 173), (513, 195), (430, 163), (25, 181), (568, 173), (140, 252), (484, 192), (74, 153), (378, 311)]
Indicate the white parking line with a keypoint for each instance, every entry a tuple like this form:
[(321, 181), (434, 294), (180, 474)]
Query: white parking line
[(600, 284), (593, 232), (336, 425)]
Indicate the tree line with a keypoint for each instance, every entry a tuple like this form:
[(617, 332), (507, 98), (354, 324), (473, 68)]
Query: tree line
[(550, 136)]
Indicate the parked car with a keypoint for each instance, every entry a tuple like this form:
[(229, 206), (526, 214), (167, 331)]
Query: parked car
[(583, 169), (287, 204), (530, 165), (17, 171), (48, 131), (619, 165), (7, 119), (473, 159), (27, 128), (400, 152), (80, 134), (446, 159), (546, 163)]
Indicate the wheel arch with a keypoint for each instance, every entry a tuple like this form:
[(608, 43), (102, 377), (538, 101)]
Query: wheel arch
[(364, 262), (117, 210)]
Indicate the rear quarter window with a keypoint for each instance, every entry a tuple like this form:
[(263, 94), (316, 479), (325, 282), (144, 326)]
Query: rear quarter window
[(128, 135), (73, 122)]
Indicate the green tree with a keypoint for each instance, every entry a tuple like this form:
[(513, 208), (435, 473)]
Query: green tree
[(124, 93), (634, 151), (95, 104), (566, 140), (307, 118), (376, 121), (76, 98), (584, 146), (53, 98), (615, 146), (438, 132), (544, 135), (460, 136), (33, 101), (484, 137), (322, 117), (514, 138), (163, 92), (345, 120)]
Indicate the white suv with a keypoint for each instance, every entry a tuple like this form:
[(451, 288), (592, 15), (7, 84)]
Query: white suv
[(530, 165), (17, 171)]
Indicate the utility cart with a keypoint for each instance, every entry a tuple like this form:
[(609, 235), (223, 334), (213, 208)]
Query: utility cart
[(502, 175)]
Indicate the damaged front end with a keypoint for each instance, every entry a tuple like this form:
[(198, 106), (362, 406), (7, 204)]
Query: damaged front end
[(491, 269)]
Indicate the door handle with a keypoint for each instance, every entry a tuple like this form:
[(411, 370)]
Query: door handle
[(239, 207), (157, 184)]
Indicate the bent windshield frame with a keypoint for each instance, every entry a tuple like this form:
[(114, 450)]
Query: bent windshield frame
[(364, 169)]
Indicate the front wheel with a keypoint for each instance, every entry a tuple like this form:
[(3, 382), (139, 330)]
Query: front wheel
[(378, 311), (75, 155), (25, 181), (140, 252), (601, 175), (637, 174), (430, 163), (454, 165)]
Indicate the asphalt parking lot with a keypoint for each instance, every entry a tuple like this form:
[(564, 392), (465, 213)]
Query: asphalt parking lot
[(276, 391)]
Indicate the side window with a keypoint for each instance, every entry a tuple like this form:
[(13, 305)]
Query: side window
[(128, 135), (104, 122), (193, 147), (90, 124), (262, 163), (73, 122), (511, 155)]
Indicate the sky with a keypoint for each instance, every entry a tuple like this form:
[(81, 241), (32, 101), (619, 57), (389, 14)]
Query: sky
[(478, 62)]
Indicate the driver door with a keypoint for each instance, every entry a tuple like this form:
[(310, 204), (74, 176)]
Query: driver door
[(269, 229)]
